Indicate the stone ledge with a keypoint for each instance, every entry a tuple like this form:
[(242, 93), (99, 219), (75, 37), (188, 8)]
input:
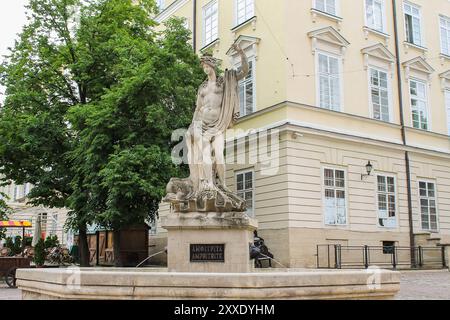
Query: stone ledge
[(148, 285), (213, 220)]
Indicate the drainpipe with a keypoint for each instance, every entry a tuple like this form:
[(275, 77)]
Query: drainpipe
[(402, 122), (194, 25)]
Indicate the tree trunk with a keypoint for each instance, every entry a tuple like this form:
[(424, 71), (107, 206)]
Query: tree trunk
[(83, 247), (118, 263)]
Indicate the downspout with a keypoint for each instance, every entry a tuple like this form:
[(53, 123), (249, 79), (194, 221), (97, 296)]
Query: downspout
[(194, 25), (402, 122)]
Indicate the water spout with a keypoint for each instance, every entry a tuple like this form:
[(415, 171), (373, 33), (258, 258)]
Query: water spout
[(148, 258), (278, 262)]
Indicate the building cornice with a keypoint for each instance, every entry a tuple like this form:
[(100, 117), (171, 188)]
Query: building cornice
[(395, 144)]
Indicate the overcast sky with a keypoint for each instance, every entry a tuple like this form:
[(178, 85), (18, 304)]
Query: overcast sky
[(12, 18)]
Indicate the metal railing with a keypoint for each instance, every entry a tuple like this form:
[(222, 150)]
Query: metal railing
[(335, 256)]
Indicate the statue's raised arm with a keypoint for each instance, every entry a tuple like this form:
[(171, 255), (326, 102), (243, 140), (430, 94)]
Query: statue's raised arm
[(245, 68)]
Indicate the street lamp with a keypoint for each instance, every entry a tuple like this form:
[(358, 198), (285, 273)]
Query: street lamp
[(369, 169)]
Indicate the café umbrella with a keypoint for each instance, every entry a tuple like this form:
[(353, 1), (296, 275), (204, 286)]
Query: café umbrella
[(37, 231)]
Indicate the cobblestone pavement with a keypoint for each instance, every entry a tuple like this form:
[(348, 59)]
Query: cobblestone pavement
[(9, 294), (425, 285)]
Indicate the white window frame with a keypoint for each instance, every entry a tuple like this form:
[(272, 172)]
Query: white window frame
[(206, 7), (54, 225), (421, 28), (250, 212), (427, 181), (426, 100), (340, 77), (247, 15), (447, 39), (345, 189), (44, 222), (16, 193), (387, 193), (447, 108), (336, 3), (383, 16), (252, 60), (389, 92)]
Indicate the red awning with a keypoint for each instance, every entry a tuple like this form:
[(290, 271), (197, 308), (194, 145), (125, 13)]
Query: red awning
[(15, 224)]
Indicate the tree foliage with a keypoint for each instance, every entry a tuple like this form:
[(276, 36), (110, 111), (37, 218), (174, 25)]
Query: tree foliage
[(124, 154), (4, 213), (93, 93)]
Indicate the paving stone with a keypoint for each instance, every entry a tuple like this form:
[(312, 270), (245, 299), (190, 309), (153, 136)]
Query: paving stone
[(425, 285)]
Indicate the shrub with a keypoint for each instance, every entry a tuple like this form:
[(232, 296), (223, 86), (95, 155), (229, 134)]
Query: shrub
[(51, 242), (15, 245), (39, 253)]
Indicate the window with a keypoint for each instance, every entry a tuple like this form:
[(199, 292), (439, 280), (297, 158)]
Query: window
[(427, 192), (160, 4), (247, 91), (329, 82), (153, 227), (328, 6), (54, 224), (388, 247), (413, 24), (245, 10), (447, 104), (210, 22), (445, 36), (16, 193), (379, 95), (418, 91), (335, 200), (26, 189), (386, 202), (244, 187), (43, 222), (375, 14)]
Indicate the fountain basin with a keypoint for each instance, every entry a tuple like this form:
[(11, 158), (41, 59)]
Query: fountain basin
[(159, 284)]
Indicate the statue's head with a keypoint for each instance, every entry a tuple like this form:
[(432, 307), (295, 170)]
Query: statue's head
[(209, 63)]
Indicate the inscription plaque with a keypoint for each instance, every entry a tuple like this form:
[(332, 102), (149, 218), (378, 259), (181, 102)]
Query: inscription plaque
[(207, 253)]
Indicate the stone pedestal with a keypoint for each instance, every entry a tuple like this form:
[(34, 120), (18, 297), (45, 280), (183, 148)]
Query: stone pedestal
[(209, 242)]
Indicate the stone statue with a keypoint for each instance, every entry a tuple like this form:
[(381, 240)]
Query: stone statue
[(216, 111)]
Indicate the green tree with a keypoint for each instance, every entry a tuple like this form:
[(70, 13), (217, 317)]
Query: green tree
[(125, 138), (93, 93), (66, 56)]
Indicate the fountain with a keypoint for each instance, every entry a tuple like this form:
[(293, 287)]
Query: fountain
[(209, 233)]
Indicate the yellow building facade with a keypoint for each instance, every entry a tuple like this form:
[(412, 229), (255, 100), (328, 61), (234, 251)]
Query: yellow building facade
[(345, 83)]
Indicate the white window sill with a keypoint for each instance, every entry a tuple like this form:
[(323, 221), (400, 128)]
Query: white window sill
[(336, 226), (431, 232), (315, 13), (444, 57), (251, 21), (368, 30), (409, 45), (388, 228), (210, 45)]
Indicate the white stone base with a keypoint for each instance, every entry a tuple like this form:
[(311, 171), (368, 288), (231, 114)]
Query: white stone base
[(234, 230), (151, 284)]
